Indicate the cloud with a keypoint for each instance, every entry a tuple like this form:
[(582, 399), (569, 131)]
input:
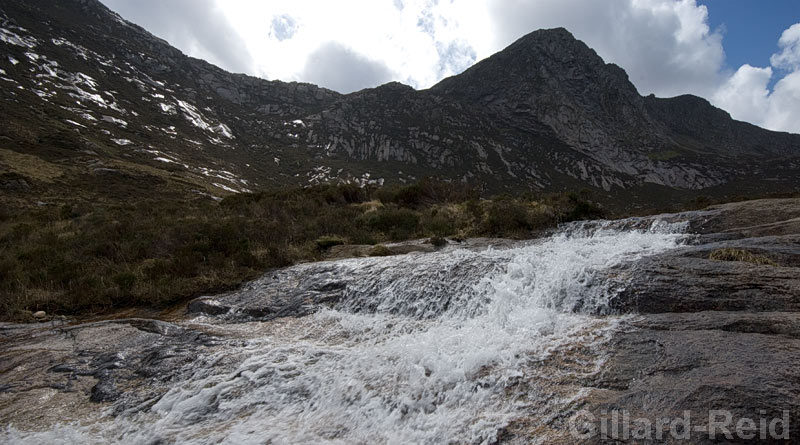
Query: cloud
[(746, 95), (785, 105), (197, 27), (789, 57), (340, 68), (454, 57)]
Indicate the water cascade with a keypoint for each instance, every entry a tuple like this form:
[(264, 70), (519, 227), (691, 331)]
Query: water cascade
[(458, 346)]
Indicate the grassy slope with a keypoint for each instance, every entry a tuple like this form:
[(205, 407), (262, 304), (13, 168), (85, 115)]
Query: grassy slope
[(71, 248)]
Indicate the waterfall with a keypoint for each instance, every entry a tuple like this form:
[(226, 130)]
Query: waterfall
[(449, 347)]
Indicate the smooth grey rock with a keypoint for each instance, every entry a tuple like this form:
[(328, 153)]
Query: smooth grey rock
[(121, 361), (713, 335)]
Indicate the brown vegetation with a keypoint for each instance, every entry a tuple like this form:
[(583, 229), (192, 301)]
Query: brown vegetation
[(732, 254), (85, 257)]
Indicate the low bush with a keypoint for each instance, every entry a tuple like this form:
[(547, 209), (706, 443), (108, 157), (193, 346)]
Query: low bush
[(327, 241), (396, 223), (437, 241), (506, 216), (580, 208)]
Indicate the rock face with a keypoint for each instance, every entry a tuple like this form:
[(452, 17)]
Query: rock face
[(712, 335), (545, 114)]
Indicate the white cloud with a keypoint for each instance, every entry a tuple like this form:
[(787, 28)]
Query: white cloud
[(746, 95), (419, 41), (789, 57), (784, 105), (339, 68)]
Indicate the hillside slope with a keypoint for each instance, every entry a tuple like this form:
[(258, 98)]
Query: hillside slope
[(91, 100)]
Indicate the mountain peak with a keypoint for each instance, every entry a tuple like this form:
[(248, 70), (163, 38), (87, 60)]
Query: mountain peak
[(546, 34), (554, 45), (558, 80), (542, 57)]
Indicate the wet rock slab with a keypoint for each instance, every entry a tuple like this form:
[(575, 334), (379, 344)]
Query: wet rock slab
[(712, 335), (301, 290), (56, 373), (290, 292)]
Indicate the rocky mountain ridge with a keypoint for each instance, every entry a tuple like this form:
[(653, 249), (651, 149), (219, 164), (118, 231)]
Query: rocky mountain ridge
[(545, 114)]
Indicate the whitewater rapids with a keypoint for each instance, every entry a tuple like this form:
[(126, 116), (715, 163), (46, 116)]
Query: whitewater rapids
[(458, 346)]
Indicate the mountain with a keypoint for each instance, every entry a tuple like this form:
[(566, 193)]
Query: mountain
[(93, 102)]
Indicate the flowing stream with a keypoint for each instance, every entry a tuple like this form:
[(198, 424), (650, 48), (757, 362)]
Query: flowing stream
[(458, 346)]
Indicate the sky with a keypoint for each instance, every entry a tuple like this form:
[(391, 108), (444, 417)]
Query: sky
[(741, 55)]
